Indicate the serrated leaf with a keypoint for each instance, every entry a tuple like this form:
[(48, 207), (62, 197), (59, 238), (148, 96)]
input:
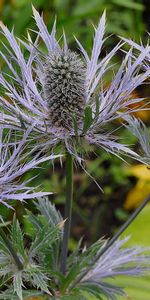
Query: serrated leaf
[(39, 280), (17, 238), (87, 119), (17, 283), (34, 221), (49, 211), (46, 235)]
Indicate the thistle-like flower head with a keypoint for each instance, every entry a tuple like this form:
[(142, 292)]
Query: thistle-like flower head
[(64, 93), (64, 88)]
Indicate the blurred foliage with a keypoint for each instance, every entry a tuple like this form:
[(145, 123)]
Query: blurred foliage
[(125, 17)]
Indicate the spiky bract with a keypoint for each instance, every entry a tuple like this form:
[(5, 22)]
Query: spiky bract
[(14, 162)]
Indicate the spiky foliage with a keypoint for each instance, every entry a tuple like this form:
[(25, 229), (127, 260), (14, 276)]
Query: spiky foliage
[(64, 95), (41, 262), (138, 129), (140, 48), (45, 237), (14, 162)]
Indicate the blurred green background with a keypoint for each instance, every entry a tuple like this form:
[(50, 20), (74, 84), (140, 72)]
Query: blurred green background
[(125, 186), (127, 18)]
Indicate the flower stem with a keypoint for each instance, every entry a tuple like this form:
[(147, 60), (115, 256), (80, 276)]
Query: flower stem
[(68, 210), (11, 249)]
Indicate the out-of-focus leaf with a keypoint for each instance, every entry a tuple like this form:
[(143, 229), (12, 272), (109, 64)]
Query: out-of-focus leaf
[(129, 4)]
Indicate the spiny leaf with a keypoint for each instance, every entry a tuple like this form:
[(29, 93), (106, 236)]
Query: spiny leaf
[(46, 235), (39, 280), (17, 237), (48, 210), (17, 283)]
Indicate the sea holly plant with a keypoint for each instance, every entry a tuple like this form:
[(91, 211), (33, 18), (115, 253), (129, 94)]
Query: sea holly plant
[(58, 99)]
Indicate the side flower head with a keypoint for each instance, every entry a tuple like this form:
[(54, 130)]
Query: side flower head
[(117, 260), (64, 93), (14, 162)]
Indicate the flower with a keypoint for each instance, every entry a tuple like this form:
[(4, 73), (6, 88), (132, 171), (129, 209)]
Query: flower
[(14, 162), (62, 94), (113, 262)]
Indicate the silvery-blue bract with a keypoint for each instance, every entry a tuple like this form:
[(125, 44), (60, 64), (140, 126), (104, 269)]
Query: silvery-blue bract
[(14, 162)]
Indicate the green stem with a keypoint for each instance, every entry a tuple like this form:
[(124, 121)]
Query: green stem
[(68, 210), (11, 249)]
